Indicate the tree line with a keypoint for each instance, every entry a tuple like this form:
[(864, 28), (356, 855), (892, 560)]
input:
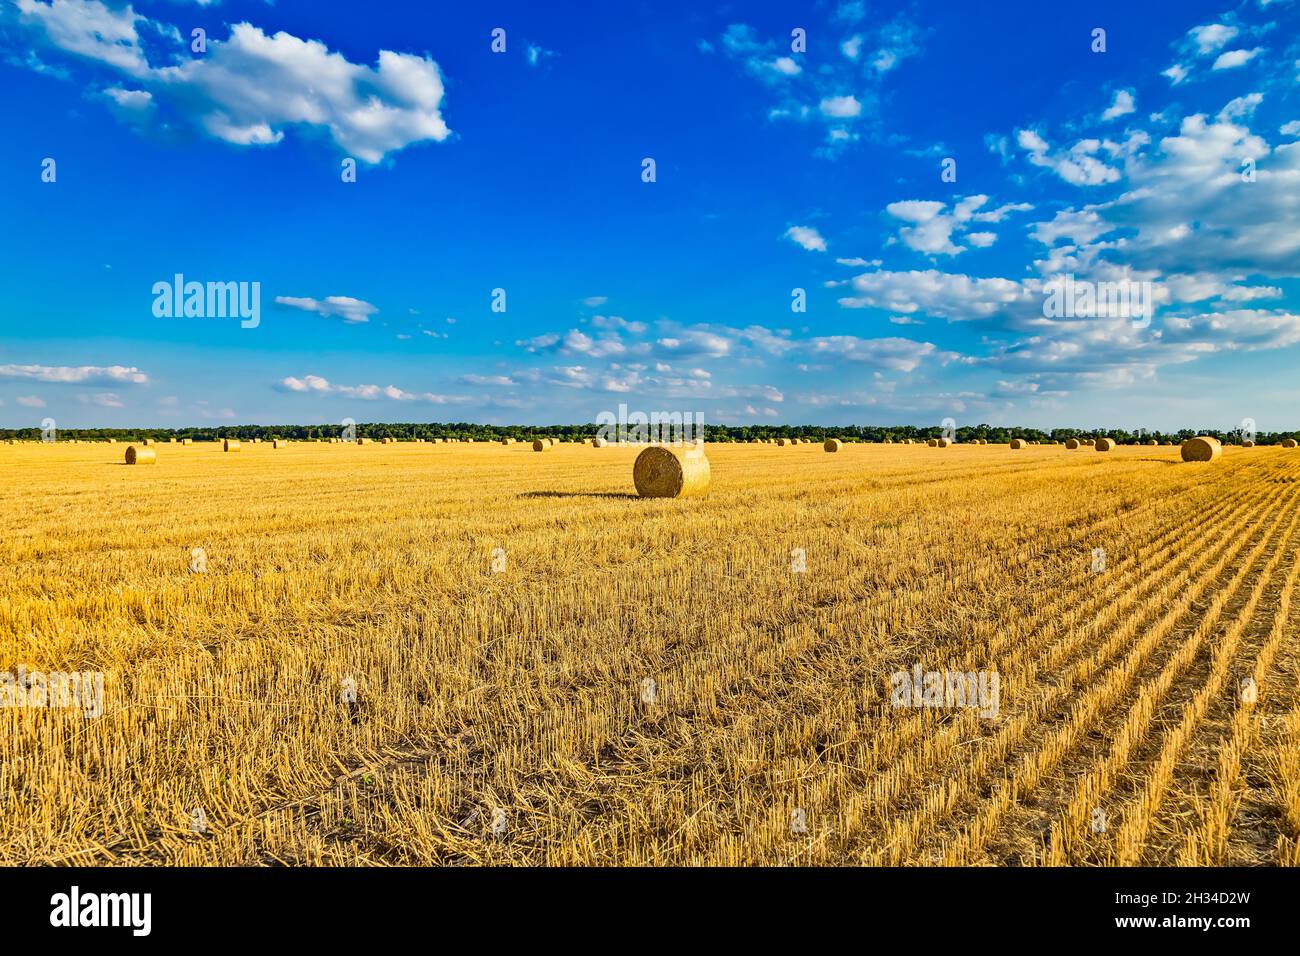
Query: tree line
[(470, 431)]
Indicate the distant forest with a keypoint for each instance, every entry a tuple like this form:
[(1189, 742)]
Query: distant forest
[(468, 431)]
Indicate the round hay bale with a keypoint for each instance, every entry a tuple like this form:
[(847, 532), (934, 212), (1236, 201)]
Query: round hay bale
[(598, 442), (782, 442), (187, 441), (1247, 444), (1018, 443), (1201, 448), (147, 441), (1288, 443), (942, 442), (277, 443), (507, 441), (832, 444), (540, 444), (663, 472), (932, 442), (1105, 444), (230, 444), (141, 456), (1089, 442), (1072, 443), (1153, 442)]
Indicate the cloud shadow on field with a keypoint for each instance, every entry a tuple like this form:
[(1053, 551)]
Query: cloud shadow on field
[(578, 494)]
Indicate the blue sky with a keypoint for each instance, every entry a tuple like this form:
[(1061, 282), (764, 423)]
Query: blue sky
[(775, 169)]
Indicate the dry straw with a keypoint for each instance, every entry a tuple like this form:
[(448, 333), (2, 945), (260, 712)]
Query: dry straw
[(230, 444), (664, 472), (1201, 448), (1018, 443), (540, 444), (1288, 443), (141, 456), (1105, 444), (832, 444)]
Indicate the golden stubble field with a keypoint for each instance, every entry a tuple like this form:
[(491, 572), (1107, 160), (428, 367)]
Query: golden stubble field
[(508, 715)]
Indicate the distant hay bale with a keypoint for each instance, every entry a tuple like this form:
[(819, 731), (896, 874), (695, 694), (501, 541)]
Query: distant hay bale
[(141, 456), (1105, 444), (598, 442), (147, 441), (933, 442), (277, 443), (507, 441), (1072, 443), (1288, 443), (782, 442), (1154, 442), (230, 444), (187, 441), (1201, 448), (1018, 443), (540, 444), (1245, 444), (664, 472), (363, 441), (832, 444)]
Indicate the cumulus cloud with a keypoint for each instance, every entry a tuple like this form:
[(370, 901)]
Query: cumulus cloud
[(1078, 165), (77, 375), (250, 88), (806, 236), (315, 384), (1235, 58), (1122, 105), (345, 307)]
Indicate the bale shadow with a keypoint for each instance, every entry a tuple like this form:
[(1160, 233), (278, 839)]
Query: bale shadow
[(579, 494)]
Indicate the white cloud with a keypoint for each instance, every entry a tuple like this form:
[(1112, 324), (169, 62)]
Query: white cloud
[(30, 401), (350, 310), (1078, 166), (1176, 73), (1212, 37), (806, 236), (840, 107), (1235, 58), (369, 393), (80, 375), (1121, 106), (249, 88)]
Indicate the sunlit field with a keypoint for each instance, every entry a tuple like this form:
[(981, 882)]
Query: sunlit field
[(475, 653)]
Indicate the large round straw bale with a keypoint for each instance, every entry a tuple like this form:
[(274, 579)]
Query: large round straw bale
[(932, 442), (942, 442), (230, 444), (1288, 443), (540, 444), (664, 472), (1153, 442), (782, 442), (1247, 444), (1105, 444), (1018, 443), (598, 442), (832, 444), (277, 443), (1072, 443), (147, 441), (1201, 448), (187, 441), (140, 456)]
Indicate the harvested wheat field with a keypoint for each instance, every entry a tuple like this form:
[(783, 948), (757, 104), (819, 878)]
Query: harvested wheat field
[(413, 653)]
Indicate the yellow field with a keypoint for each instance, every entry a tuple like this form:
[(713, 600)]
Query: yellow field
[(507, 716)]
